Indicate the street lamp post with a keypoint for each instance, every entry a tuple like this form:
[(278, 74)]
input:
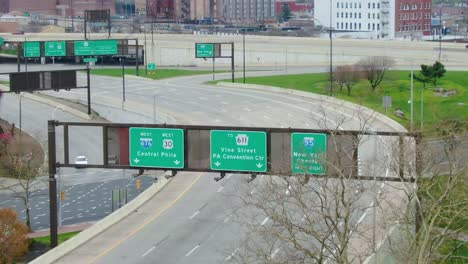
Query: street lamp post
[(330, 32), (331, 49), (243, 45), (20, 114)]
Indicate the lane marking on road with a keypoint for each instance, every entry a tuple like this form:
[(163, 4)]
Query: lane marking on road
[(193, 250), (275, 252), (147, 252), (220, 189), (362, 218), (231, 255), (264, 221), (139, 228), (227, 219), (194, 214)]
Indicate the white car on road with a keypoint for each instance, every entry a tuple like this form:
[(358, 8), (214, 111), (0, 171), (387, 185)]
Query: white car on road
[(81, 160)]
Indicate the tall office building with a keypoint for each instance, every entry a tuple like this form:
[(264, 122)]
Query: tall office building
[(247, 10), (376, 18)]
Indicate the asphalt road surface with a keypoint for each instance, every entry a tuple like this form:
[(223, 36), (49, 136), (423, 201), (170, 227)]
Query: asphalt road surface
[(200, 228)]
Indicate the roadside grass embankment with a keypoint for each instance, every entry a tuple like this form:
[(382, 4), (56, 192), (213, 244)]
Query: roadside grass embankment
[(395, 84), (61, 238)]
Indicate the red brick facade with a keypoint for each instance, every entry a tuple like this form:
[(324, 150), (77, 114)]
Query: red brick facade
[(412, 17)]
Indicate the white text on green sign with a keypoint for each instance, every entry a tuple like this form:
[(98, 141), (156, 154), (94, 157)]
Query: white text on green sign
[(32, 49), (96, 47), (55, 49), (151, 66), (156, 148), (308, 153), (238, 151), (205, 50)]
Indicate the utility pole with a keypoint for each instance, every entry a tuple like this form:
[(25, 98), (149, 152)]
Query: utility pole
[(331, 50), (440, 31)]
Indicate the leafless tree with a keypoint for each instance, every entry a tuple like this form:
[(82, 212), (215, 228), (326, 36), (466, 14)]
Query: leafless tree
[(430, 228), (374, 69), (304, 219), (341, 218), (24, 183), (347, 76)]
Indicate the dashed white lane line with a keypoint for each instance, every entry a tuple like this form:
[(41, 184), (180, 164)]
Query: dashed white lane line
[(227, 219), (220, 189), (231, 255), (362, 217), (264, 221), (147, 252), (194, 214), (191, 251), (275, 252)]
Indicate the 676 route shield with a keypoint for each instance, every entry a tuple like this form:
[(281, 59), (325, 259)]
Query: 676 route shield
[(157, 148)]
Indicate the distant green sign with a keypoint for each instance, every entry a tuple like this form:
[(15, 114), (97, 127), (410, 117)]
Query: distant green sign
[(96, 47), (32, 49), (238, 151), (204, 50), (2, 41), (157, 148), (308, 153), (151, 66), (88, 60), (55, 49)]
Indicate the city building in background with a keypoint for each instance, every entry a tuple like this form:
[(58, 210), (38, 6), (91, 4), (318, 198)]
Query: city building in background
[(250, 11), (376, 19), (160, 9)]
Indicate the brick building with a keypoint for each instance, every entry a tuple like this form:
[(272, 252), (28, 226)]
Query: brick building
[(376, 18)]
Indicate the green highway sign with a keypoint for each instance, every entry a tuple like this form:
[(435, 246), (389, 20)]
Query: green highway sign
[(96, 47), (238, 151), (55, 49), (2, 41), (90, 60), (308, 153), (32, 49), (156, 148), (204, 50), (151, 66)]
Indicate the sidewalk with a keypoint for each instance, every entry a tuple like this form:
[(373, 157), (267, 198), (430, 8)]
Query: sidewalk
[(61, 230)]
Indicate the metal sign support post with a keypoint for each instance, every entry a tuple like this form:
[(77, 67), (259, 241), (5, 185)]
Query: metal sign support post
[(89, 88), (243, 46), (122, 60), (109, 26), (137, 60), (52, 185), (18, 60), (145, 52), (85, 27), (232, 60), (213, 67)]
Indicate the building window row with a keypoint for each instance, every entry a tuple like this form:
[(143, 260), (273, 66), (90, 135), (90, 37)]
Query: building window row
[(348, 5), (348, 15), (414, 27), (413, 16), (415, 6), (345, 25)]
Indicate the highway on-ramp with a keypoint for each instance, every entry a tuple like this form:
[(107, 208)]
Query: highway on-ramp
[(202, 225)]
